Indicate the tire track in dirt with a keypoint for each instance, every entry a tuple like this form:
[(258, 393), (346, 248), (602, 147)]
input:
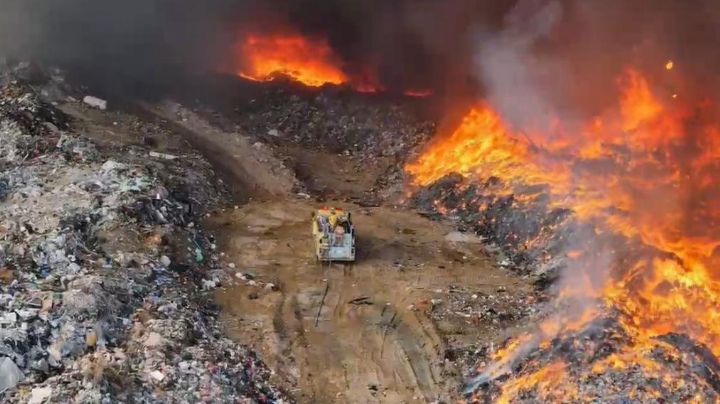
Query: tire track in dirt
[(354, 354)]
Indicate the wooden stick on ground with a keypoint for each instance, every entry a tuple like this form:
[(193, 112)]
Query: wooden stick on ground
[(382, 314), (322, 303), (387, 326)]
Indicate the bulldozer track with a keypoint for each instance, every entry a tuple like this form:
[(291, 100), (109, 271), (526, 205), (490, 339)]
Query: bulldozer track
[(347, 332)]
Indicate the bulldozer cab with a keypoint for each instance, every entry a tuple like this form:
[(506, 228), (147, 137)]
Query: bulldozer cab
[(333, 235)]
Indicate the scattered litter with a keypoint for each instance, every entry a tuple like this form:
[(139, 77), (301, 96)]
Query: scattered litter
[(459, 237), (95, 102), (157, 375), (39, 394), (101, 268), (163, 156), (10, 374)]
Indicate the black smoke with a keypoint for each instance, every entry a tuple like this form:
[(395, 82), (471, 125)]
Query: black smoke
[(133, 45), (122, 46), (563, 58)]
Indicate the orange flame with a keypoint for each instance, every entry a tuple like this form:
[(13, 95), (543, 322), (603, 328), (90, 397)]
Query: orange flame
[(549, 380), (495, 150), (637, 103), (656, 188), (310, 62)]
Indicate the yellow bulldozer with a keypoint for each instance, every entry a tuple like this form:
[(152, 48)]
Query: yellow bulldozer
[(333, 235)]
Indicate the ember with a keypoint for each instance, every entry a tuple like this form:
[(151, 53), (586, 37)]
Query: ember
[(418, 93)]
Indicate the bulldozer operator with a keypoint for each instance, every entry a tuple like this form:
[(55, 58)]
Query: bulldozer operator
[(333, 219)]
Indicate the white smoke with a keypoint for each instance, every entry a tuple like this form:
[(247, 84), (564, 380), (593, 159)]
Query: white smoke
[(516, 77), (512, 72)]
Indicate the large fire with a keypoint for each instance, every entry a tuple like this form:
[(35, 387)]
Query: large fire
[(310, 62), (643, 171), (306, 60)]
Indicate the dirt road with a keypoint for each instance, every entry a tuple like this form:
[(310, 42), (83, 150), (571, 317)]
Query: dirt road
[(380, 349), (360, 333)]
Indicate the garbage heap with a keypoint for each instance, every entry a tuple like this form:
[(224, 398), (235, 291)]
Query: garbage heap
[(584, 349), (370, 131), (528, 236), (103, 269), (367, 127)]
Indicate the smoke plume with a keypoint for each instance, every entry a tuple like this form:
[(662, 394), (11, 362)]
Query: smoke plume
[(132, 44), (566, 57), (561, 59)]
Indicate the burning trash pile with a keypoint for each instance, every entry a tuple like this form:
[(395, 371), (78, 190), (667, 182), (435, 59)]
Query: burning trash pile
[(99, 258), (307, 60), (620, 216), (321, 113)]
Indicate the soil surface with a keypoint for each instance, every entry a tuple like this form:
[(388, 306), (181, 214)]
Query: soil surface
[(355, 333), (373, 340)]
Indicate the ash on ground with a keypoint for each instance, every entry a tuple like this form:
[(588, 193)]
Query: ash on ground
[(102, 265)]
